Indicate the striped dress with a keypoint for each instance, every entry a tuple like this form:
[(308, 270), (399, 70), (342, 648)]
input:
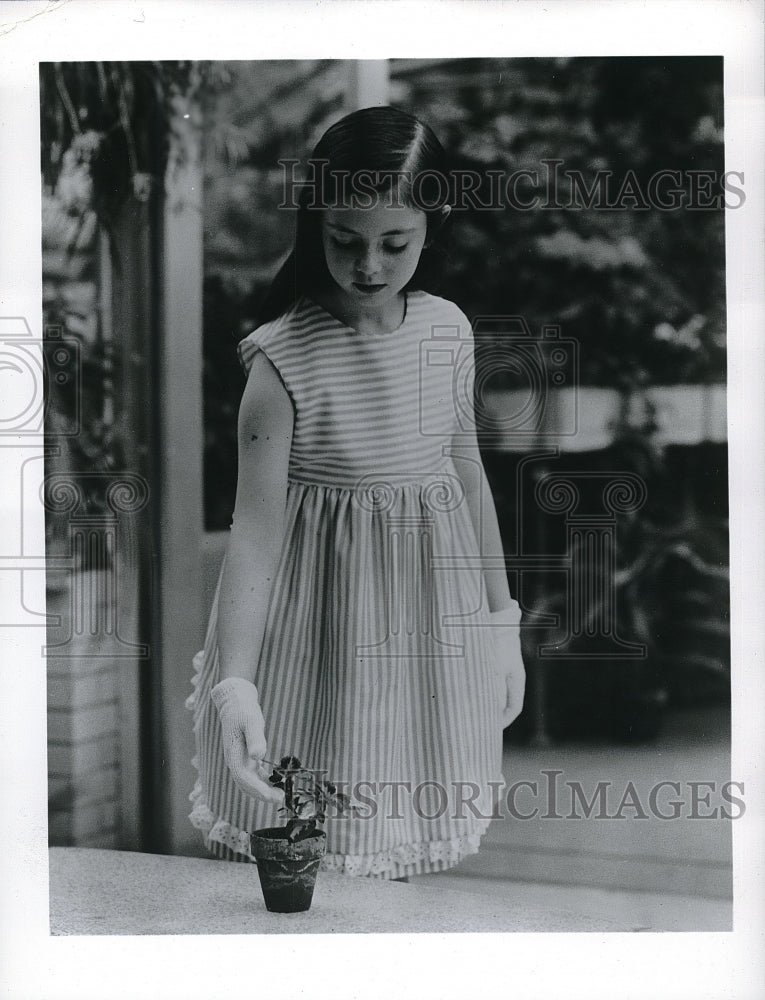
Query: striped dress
[(376, 664)]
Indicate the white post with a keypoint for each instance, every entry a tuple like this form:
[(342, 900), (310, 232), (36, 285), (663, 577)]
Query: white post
[(181, 485), (368, 83)]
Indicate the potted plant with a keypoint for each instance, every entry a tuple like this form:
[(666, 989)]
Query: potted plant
[(288, 856)]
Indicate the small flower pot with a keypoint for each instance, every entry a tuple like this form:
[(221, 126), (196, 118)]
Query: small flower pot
[(287, 871)]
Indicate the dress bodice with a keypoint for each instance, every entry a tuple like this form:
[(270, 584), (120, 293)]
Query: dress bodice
[(386, 405)]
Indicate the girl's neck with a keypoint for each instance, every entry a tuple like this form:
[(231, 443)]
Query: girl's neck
[(385, 318)]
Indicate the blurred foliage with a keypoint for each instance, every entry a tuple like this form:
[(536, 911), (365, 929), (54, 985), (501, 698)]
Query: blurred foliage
[(643, 291), (625, 283), (268, 111), (106, 128), (106, 132)]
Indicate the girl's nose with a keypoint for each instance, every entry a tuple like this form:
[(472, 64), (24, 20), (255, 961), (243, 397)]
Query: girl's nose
[(368, 262)]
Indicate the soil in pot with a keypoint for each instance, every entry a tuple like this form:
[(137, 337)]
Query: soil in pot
[(287, 871)]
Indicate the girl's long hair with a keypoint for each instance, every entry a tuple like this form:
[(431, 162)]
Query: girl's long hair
[(397, 155)]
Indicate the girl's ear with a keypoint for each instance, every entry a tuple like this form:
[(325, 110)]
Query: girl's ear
[(443, 214)]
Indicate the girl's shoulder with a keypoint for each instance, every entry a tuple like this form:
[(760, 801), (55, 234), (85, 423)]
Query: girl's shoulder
[(269, 336), (434, 308)]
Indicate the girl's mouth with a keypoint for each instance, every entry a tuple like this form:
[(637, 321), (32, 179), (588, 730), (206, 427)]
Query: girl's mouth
[(367, 289)]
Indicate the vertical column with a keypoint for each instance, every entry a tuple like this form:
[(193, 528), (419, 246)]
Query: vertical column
[(410, 585), (129, 297), (90, 644), (368, 83), (410, 563), (591, 614), (180, 418)]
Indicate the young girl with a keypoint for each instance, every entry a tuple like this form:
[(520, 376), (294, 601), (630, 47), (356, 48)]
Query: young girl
[(353, 624)]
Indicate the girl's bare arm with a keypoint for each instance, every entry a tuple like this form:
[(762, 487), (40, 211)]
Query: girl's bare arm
[(266, 419)]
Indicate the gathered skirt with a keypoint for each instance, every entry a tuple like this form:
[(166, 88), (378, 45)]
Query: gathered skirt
[(377, 670)]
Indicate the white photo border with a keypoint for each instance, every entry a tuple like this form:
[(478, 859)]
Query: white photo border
[(544, 966)]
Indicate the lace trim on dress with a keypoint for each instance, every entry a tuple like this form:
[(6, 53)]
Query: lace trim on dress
[(196, 679), (441, 853), (393, 862), (216, 831)]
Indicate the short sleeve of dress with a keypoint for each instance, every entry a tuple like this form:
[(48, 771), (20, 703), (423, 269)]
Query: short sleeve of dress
[(249, 347), (273, 340)]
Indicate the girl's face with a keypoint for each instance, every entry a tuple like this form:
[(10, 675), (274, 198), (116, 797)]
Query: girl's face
[(372, 253)]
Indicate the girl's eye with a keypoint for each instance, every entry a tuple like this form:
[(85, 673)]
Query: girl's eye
[(346, 243)]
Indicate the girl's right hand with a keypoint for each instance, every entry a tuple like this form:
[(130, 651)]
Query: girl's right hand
[(244, 737)]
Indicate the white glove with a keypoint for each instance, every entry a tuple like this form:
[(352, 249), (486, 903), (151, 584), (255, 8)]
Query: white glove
[(509, 661), (244, 737)]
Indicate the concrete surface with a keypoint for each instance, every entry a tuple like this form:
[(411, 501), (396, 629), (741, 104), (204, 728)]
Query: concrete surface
[(112, 892), (584, 874)]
